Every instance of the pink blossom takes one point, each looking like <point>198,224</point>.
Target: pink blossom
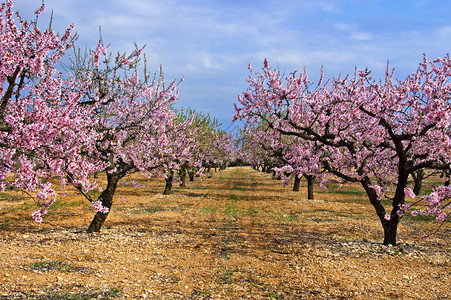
<point>97,205</point>
<point>442,217</point>
<point>409,193</point>
<point>37,216</point>
<point>378,190</point>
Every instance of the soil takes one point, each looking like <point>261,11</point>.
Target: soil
<point>237,235</point>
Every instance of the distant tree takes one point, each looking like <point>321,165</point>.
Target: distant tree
<point>176,150</point>
<point>291,158</point>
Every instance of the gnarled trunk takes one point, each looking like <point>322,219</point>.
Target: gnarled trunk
<point>106,198</point>
<point>390,226</point>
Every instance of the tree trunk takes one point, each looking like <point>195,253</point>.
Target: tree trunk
<point>168,187</point>
<point>417,179</point>
<point>390,226</point>
<point>183,176</point>
<point>191,175</point>
<point>310,181</point>
<point>297,182</point>
<point>447,176</point>
<point>390,230</point>
<point>106,198</point>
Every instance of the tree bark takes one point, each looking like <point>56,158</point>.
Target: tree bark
<point>191,175</point>
<point>106,198</point>
<point>390,230</point>
<point>183,176</point>
<point>168,187</point>
<point>417,179</point>
<point>183,179</point>
<point>390,226</point>
<point>310,181</point>
<point>447,176</point>
<point>297,182</point>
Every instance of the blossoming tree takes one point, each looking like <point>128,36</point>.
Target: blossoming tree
<point>132,118</point>
<point>373,133</point>
<point>42,125</point>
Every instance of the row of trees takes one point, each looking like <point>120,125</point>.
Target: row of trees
<point>104,113</point>
<point>355,129</point>
<point>108,113</point>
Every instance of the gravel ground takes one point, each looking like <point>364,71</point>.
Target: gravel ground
<point>237,235</point>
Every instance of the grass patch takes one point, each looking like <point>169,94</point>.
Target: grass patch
<point>419,218</point>
<point>231,209</point>
<point>23,206</point>
<point>59,204</point>
<point>148,210</point>
<point>208,210</point>
<point>226,277</point>
<point>49,265</point>
<point>274,295</point>
<point>10,197</point>
<point>110,294</point>
<point>280,216</point>
<point>252,212</point>
<point>353,191</point>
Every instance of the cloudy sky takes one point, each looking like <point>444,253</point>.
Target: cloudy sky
<point>211,42</point>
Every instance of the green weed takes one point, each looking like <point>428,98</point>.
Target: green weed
<point>110,294</point>
<point>59,204</point>
<point>10,197</point>
<point>208,210</point>
<point>280,216</point>
<point>48,265</point>
<point>231,210</point>
<point>227,277</point>
<point>252,212</point>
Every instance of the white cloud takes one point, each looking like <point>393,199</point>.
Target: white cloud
<point>353,32</point>
<point>211,42</point>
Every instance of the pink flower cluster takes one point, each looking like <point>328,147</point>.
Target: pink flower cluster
<point>97,205</point>
<point>436,202</point>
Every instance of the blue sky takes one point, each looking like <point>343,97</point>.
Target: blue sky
<point>211,42</point>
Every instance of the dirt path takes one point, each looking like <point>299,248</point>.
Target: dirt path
<point>237,235</point>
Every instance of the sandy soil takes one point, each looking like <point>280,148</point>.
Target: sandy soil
<point>237,235</point>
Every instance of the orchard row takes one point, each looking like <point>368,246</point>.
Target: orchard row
<point>354,129</point>
<point>105,114</point>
